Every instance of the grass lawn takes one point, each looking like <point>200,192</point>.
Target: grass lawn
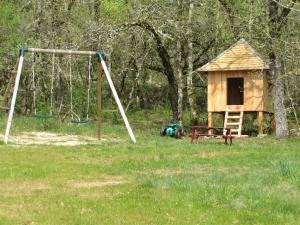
<point>156,181</point>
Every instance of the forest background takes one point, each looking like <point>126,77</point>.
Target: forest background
<point>152,48</point>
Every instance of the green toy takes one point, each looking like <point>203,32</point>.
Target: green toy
<point>174,129</point>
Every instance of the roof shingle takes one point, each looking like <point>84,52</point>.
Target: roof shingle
<point>240,56</point>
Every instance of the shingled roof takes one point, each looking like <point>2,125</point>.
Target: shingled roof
<point>240,56</point>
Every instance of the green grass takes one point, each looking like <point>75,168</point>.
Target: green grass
<point>156,181</point>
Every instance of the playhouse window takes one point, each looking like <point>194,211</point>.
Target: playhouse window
<point>235,91</point>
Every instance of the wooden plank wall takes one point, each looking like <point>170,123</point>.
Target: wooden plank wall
<point>268,98</point>
<point>256,92</point>
<point>215,91</point>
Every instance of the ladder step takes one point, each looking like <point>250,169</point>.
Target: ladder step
<point>233,117</point>
<point>233,124</point>
<point>234,130</point>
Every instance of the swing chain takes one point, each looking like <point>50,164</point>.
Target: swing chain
<point>89,87</point>
<point>71,91</point>
<point>33,83</point>
<point>71,88</point>
<point>52,83</point>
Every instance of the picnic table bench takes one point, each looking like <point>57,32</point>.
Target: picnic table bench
<point>206,131</point>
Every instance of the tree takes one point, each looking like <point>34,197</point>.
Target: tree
<point>190,62</point>
<point>166,63</point>
<point>277,20</point>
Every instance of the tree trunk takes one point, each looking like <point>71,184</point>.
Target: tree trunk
<point>277,20</point>
<point>138,68</point>
<point>180,80</point>
<point>97,5</point>
<point>190,88</point>
<point>229,10</point>
<point>278,98</point>
<point>173,97</point>
<point>166,62</point>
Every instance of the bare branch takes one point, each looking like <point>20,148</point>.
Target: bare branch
<point>230,13</point>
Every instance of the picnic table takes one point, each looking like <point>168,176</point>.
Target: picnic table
<point>206,131</point>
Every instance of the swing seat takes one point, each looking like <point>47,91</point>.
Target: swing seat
<point>40,116</point>
<point>80,121</point>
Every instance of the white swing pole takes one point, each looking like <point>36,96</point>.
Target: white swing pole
<point>14,97</point>
<point>115,94</point>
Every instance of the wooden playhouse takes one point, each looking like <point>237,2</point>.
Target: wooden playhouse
<point>237,83</point>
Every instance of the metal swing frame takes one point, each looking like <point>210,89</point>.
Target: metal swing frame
<point>100,57</point>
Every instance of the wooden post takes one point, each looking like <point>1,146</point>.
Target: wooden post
<point>99,101</point>
<point>260,123</point>
<point>210,121</point>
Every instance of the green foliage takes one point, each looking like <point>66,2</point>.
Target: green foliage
<point>132,50</point>
<point>10,39</point>
<point>9,22</point>
<point>115,11</point>
<point>250,125</point>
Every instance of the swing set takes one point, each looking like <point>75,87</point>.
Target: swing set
<point>74,117</point>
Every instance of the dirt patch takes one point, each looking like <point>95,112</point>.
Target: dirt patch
<point>21,188</point>
<point>98,194</point>
<point>111,181</point>
<point>92,184</point>
<point>25,188</point>
<point>45,138</point>
<point>168,172</point>
<point>178,171</point>
<point>211,155</point>
<point>198,171</point>
<point>10,211</point>
<point>206,155</point>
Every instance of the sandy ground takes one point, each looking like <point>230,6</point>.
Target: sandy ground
<point>45,138</point>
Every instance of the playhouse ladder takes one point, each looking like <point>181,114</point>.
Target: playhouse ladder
<point>234,119</point>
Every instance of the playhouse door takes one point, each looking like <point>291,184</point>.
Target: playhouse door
<point>235,91</point>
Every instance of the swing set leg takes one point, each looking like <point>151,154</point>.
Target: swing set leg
<point>117,99</point>
<point>14,97</point>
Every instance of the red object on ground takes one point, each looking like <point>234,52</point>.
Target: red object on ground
<point>206,131</point>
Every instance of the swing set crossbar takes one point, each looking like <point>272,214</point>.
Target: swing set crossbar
<point>61,51</point>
